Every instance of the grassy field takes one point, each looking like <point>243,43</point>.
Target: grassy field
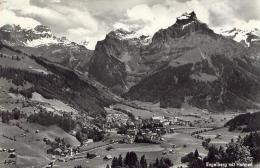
<point>185,144</point>
<point>225,137</point>
<point>25,62</point>
<point>31,150</point>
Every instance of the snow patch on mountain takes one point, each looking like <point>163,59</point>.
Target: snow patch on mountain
<point>123,34</point>
<point>41,41</point>
<point>32,37</point>
<point>186,25</point>
<point>184,16</point>
<point>241,36</point>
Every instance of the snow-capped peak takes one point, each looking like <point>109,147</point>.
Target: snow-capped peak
<point>40,35</point>
<point>123,34</point>
<point>187,16</point>
<point>241,36</point>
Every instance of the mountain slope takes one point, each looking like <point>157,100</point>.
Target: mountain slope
<point>249,122</point>
<point>200,67</point>
<point>30,74</point>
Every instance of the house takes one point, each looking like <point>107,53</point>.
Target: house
<point>160,130</point>
<point>129,139</point>
<point>73,133</point>
<point>107,157</point>
<point>57,151</point>
<point>12,155</point>
<point>158,119</point>
<point>172,130</point>
<point>88,141</point>
<point>132,132</point>
<point>11,150</point>
<point>166,123</point>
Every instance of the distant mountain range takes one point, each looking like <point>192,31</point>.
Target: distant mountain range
<point>185,63</point>
<point>40,41</point>
<point>246,37</point>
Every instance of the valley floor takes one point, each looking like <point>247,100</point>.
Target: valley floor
<point>31,149</point>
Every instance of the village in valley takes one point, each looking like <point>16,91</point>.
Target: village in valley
<point>154,134</point>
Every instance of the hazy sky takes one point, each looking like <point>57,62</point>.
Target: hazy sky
<point>91,20</point>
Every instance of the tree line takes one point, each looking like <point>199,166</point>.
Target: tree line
<point>242,151</point>
<point>49,118</point>
<point>131,160</point>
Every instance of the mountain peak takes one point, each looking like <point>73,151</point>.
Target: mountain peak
<point>185,24</point>
<point>187,16</point>
<point>123,34</point>
<point>186,19</point>
<point>134,37</point>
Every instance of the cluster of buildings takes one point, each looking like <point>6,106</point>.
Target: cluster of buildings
<point>143,130</point>
<point>116,120</point>
<point>165,120</point>
<point>11,156</point>
<point>156,127</point>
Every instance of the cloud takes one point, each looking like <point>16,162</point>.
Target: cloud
<point>77,24</point>
<point>91,20</point>
<point>11,18</point>
<point>163,15</point>
<point>81,34</point>
<point>221,13</point>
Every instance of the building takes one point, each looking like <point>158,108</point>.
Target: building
<point>172,130</point>
<point>158,119</point>
<point>57,151</point>
<point>87,141</point>
<point>132,132</point>
<point>108,157</point>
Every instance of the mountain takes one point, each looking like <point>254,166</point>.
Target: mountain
<point>185,63</point>
<point>116,62</point>
<point>246,37</point>
<point>249,38</point>
<point>36,79</point>
<point>192,64</point>
<point>40,41</point>
<point>248,122</point>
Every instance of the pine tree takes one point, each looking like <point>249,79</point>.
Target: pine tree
<point>196,153</point>
<point>120,160</point>
<point>114,162</point>
<point>126,159</point>
<point>157,162</point>
<point>143,162</point>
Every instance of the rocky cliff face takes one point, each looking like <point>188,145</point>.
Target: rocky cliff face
<point>117,60</point>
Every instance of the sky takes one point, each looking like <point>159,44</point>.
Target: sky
<point>91,20</point>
